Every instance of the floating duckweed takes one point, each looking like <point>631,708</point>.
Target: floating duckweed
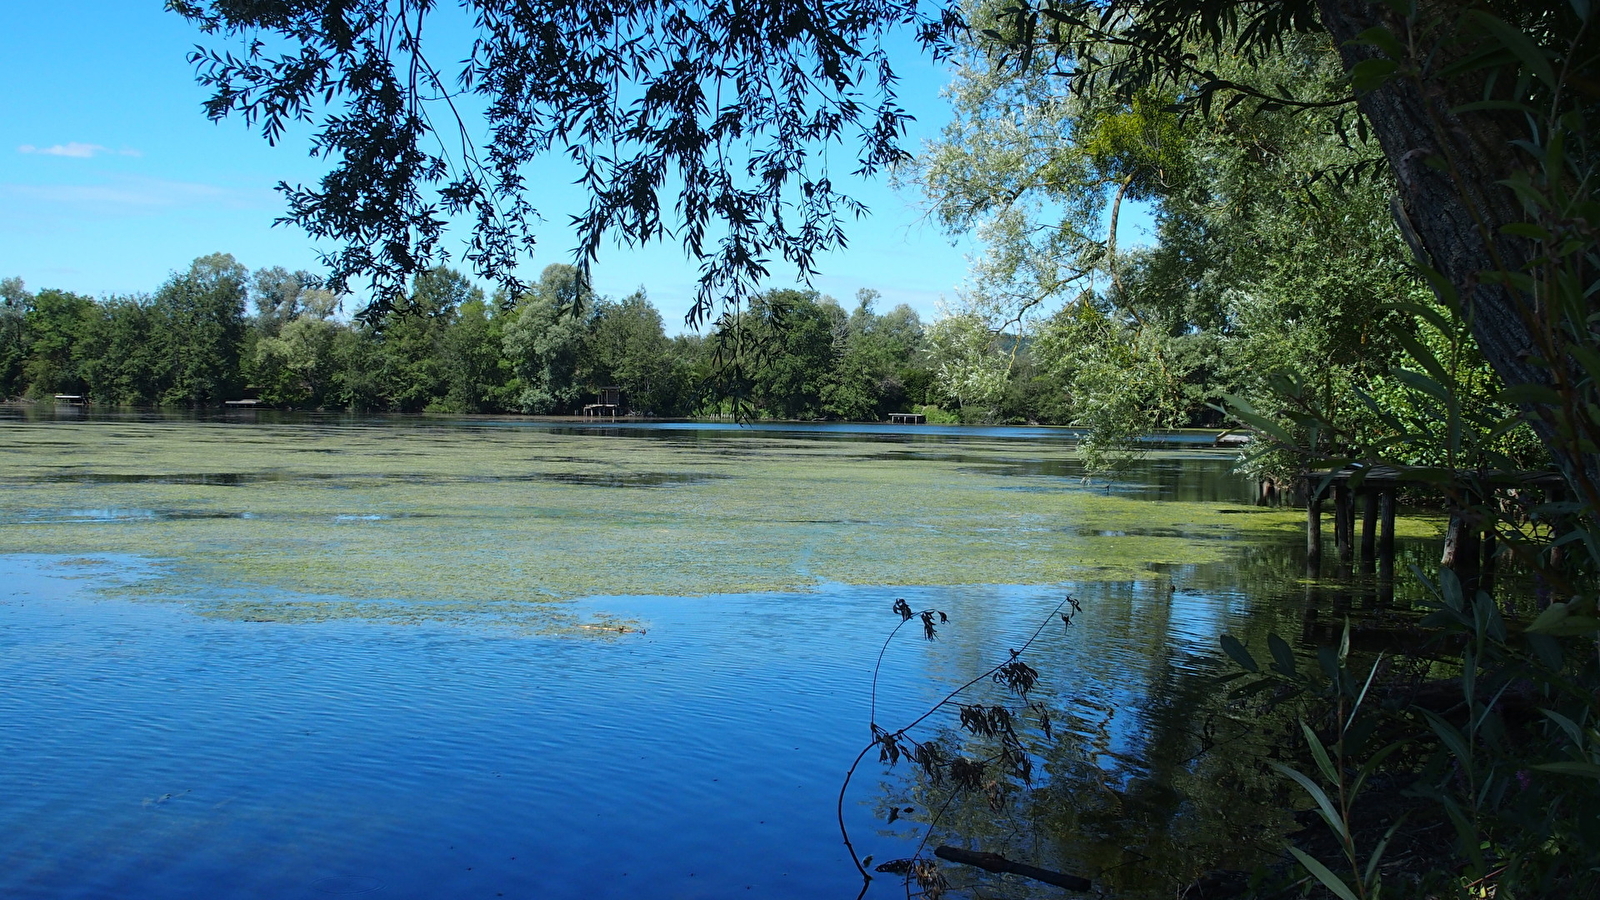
<point>406,523</point>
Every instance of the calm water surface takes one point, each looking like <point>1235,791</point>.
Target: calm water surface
<point>149,752</point>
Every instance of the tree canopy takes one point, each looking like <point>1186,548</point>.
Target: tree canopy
<point>1474,116</point>
<point>732,109</point>
<point>448,347</point>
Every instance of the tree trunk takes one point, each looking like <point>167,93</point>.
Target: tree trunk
<point>1462,548</point>
<point>1453,217</point>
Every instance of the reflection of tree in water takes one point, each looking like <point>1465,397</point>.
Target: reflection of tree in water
<point>1150,774</point>
<point>1146,776</point>
<point>1139,807</point>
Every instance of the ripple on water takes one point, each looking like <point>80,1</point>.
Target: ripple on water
<point>348,884</point>
<point>158,754</point>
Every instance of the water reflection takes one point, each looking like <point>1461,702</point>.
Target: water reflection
<point>1147,780</point>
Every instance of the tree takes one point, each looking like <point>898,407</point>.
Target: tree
<point>970,364</point>
<point>874,358</point>
<point>359,380</point>
<point>202,331</point>
<point>729,102</point>
<point>1479,113</point>
<point>54,326</point>
<point>122,353</point>
<point>1276,258</point>
<point>694,375</point>
<point>412,338</point>
<point>281,295</point>
<point>476,372</point>
<point>626,346</point>
<point>15,299</point>
<point>296,367</point>
<point>544,342</point>
<point>792,334</point>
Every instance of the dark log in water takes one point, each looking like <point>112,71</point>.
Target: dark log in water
<point>994,862</point>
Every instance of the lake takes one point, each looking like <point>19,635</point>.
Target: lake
<point>284,656</point>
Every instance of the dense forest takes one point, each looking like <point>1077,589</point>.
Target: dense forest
<point>218,331</point>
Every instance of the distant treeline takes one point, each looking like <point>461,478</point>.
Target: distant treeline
<point>218,332</point>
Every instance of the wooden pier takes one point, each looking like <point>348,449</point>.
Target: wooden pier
<point>907,419</point>
<point>1469,546</point>
<point>609,407</point>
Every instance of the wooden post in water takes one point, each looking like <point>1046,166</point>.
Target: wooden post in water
<point>1386,545</point>
<point>1369,531</point>
<point>1311,613</point>
<point>1343,522</point>
<point>1313,526</point>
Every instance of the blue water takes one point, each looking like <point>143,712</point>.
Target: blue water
<point>152,753</point>
<point>823,430</point>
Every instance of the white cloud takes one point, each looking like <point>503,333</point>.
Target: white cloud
<point>124,195</point>
<point>76,149</point>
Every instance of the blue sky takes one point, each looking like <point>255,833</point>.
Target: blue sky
<point>111,177</point>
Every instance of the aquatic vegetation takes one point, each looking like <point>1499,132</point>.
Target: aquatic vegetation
<point>425,519</point>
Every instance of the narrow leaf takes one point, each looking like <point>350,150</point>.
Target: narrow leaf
<point>1453,739</point>
<point>1370,74</point>
<point>1518,42</point>
<point>1319,753</point>
<point>1329,880</point>
<point>1326,809</point>
<point>1383,39</point>
<point>1587,770</point>
<point>1284,657</point>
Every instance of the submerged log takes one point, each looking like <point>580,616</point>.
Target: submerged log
<point>994,862</point>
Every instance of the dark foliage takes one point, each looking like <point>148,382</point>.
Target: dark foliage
<point>730,105</point>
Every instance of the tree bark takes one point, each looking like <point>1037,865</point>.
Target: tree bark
<point>1462,548</point>
<point>1452,216</point>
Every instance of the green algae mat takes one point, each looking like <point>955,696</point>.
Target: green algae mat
<point>409,519</point>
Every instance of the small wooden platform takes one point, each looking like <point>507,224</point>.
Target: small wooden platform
<point>1469,546</point>
<point>907,419</point>
<point>610,405</point>
<point>72,399</point>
